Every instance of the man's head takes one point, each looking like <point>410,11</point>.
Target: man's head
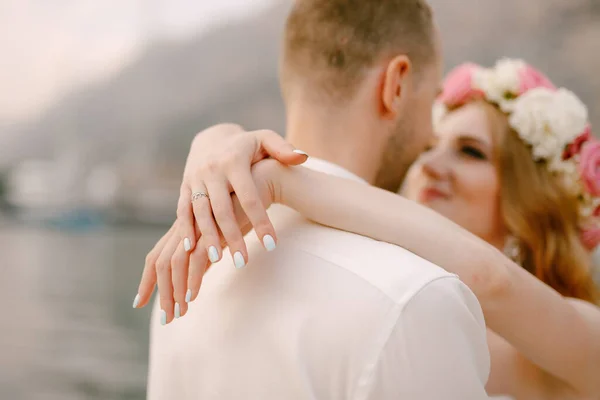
<point>374,64</point>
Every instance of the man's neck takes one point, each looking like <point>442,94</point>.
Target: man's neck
<point>343,141</point>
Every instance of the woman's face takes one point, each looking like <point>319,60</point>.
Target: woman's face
<point>456,176</point>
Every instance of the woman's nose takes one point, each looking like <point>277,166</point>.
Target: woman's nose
<point>435,165</point>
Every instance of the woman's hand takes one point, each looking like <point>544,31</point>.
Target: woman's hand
<point>216,167</point>
<point>219,162</point>
<point>178,273</point>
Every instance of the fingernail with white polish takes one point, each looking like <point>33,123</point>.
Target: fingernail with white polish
<point>136,301</point>
<point>177,310</point>
<point>188,296</point>
<point>300,152</point>
<point>163,317</point>
<point>269,242</point>
<point>187,244</point>
<point>213,254</point>
<point>238,260</point>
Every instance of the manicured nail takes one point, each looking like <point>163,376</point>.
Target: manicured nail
<point>300,152</point>
<point>187,244</point>
<point>188,296</point>
<point>163,317</point>
<point>238,260</point>
<point>213,254</point>
<point>269,242</point>
<point>136,301</point>
<point>177,310</point>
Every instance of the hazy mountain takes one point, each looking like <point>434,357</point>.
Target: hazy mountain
<point>154,106</point>
<point>168,94</point>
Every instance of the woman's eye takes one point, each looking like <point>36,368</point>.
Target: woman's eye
<point>473,152</point>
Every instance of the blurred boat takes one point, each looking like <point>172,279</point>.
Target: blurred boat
<point>44,191</point>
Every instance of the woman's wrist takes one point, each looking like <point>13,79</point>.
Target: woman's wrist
<point>205,141</point>
<point>268,176</point>
<point>216,132</point>
<point>289,185</point>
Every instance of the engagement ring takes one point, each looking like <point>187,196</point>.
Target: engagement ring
<point>197,195</point>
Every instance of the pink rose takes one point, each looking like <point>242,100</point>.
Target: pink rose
<point>575,146</point>
<point>591,238</point>
<point>531,78</point>
<point>589,166</point>
<point>458,86</point>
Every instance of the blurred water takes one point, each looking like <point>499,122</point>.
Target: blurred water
<point>68,330</point>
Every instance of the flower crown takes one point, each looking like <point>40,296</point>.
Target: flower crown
<point>553,122</point>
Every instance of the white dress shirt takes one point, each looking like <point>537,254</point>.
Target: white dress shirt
<point>328,315</point>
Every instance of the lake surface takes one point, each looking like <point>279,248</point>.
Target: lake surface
<point>68,330</point>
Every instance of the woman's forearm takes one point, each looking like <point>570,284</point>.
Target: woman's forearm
<point>534,318</point>
<point>388,217</point>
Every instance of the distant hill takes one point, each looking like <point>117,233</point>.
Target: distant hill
<point>174,89</point>
<point>154,106</point>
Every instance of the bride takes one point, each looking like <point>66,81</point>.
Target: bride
<point>507,198</point>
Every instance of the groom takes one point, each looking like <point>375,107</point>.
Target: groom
<point>333,315</point>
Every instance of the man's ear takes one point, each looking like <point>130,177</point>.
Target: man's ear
<point>394,86</point>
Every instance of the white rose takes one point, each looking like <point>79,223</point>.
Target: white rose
<point>485,81</point>
<point>548,120</point>
<point>503,79</point>
<point>507,75</point>
<point>530,120</point>
<point>569,117</point>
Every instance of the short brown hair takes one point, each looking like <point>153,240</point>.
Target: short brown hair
<point>541,213</point>
<point>331,42</point>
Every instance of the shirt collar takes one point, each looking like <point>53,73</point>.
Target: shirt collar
<point>330,168</point>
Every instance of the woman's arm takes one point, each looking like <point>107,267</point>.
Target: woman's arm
<point>560,336</point>
<point>220,158</point>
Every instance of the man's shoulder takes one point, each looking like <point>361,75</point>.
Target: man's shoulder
<point>393,270</point>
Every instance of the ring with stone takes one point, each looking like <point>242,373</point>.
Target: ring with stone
<point>197,195</point>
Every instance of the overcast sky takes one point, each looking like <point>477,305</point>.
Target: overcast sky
<point>50,46</point>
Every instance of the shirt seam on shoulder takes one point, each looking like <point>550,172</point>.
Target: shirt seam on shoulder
<point>365,380</point>
<point>350,261</point>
